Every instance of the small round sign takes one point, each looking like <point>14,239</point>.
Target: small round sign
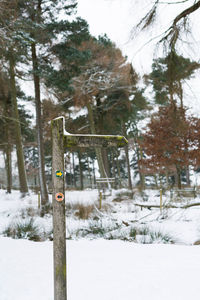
<point>59,197</point>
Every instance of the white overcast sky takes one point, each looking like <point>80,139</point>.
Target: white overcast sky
<point>116,18</point>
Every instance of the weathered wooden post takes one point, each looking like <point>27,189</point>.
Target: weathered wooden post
<point>61,140</point>
<point>58,200</point>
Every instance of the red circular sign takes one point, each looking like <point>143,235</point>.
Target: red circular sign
<point>59,197</point>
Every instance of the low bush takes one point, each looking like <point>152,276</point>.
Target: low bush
<point>146,235</point>
<point>97,229</point>
<point>26,229</point>
<point>84,212</point>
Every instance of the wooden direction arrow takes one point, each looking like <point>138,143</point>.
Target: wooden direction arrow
<point>61,140</point>
<point>90,140</point>
<point>86,140</point>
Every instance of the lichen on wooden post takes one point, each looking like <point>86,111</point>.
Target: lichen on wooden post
<point>59,228</point>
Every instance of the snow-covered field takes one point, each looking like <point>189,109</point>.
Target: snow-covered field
<point>100,270</point>
<point>100,265</point>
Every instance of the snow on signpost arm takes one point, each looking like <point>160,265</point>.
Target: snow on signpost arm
<point>61,141</point>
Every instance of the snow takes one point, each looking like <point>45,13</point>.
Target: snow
<point>98,267</point>
<point>101,270</point>
<point>182,225</point>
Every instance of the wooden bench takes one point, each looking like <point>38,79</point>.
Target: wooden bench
<point>105,184</point>
<point>186,192</point>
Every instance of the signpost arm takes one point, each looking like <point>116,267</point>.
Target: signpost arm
<point>59,228</point>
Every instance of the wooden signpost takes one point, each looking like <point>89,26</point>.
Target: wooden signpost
<point>61,141</point>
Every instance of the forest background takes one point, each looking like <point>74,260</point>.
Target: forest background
<point>98,89</point>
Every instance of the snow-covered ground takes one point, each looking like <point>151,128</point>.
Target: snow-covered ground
<point>100,270</point>
<point>101,265</point>
<point>118,218</point>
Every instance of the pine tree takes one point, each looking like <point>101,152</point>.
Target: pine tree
<point>41,28</point>
<point>11,53</point>
<point>105,73</point>
<point>168,75</point>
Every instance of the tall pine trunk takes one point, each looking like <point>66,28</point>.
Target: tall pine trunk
<point>74,173</point>
<point>39,125</point>
<point>81,170</point>
<point>97,150</point>
<point>89,172</point>
<point>187,175</point>
<point>127,158</point>
<point>17,128</point>
<point>93,170</point>
<point>8,147</point>
<point>178,177</point>
<point>118,171</point>
<point>104,153</point>
<point>8,163</point>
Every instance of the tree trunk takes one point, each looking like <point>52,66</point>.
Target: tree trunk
<point>142,176</point>
<point>104,154</point>
<point>93,170</point>
<point>89,172</point>
<point>118,171</point>
<point>113,169</point>
<point>70,171</point>
<point>39,125</point>
<point>81,171</point>
<point>17,129</point>
<point>74,175</point>
<point>127,159</point>
<point>187,175</point>
<point>178,177</point>
<point>167,179</point>
<point>156,182</point>
<point>8,163</point>
<point>97,150</point>
<point>128,167</point>
<point>8,148</point>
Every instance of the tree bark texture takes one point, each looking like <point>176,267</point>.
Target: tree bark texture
<point>59,227</point>
<point>127,159</point>
<point>39,125</point>
<point>17,128</point>
<point>8,148</point>
<point>104,152</point>
<point>97,150</point>
<point>74,173</point>
<point>178,177</point>
<point>118,171</point>
<point>8,162</point>
<point>80,170</point>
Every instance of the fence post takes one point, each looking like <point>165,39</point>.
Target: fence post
<point>58,200</point>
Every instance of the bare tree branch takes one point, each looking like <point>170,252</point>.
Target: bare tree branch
<point>177,2</point>
<point>171,35</point>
